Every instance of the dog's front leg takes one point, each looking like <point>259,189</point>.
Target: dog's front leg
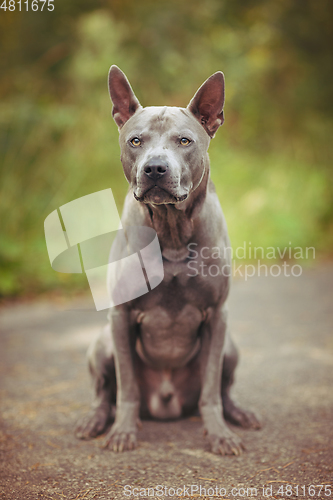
<point>122,435</point>
<point>222,440</point>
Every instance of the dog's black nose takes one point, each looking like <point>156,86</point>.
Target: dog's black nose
<point>155,168</point>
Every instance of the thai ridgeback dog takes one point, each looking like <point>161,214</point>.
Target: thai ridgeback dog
<point>168,353</point>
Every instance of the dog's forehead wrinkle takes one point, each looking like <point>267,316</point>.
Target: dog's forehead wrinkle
<point>162,116</point>
<point>167,121</point>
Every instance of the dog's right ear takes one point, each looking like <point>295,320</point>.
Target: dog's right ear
<point>125,103</point>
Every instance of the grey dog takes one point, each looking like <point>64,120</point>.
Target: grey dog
<point>168,353</point>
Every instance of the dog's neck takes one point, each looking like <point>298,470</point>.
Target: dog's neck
<point>175,224</point>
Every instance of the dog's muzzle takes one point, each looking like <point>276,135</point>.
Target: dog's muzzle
<point>157,183</point>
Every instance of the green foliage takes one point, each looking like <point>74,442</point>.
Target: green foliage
<point>270,200</point>
<point>271,161</point>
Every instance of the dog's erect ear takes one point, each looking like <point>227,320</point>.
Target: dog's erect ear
<point>122,96</point>
<point>207,104</point>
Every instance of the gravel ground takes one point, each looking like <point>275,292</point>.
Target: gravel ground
<point>283,328</point>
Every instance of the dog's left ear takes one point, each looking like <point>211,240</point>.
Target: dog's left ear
<point>207,104</point>
<point>125,103</point>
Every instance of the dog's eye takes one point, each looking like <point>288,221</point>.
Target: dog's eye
<point>136,142</point>
<point>184,141</point>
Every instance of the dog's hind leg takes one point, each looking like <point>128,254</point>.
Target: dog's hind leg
<point>102,370</point>
<point>232,412</point>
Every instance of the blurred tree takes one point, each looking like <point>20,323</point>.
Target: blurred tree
<point>55,114</point>
<point>277,56</point>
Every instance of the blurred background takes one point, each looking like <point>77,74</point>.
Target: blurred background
<point>271,161</point>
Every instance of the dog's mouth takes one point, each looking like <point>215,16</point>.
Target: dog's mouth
<point>160,196</point>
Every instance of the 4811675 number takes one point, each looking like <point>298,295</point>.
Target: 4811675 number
<point>25,5</point>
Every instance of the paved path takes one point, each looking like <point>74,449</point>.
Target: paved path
<point>283,327</point>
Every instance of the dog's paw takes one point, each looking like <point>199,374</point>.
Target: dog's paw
<point>119,439</point>
<point>238,416</point>
<point>226,445</point>
<point>122,435</point>
<point>222,440</point>
<point>93,423</point>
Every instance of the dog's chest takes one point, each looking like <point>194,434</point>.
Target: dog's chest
<point>182,295</point>
<point>199,282</point>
